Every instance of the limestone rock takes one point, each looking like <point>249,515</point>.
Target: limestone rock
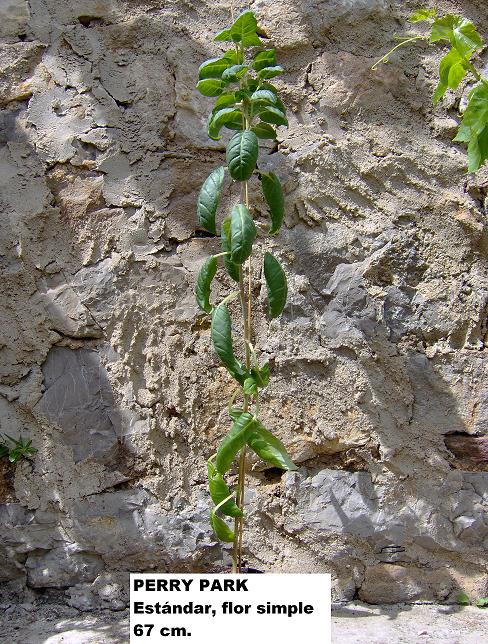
<point>78,398</point>
<point>389,584</point>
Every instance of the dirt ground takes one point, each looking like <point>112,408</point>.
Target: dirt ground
<point>352,624</point>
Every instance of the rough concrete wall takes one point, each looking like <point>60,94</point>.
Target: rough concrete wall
<point>106,363</point>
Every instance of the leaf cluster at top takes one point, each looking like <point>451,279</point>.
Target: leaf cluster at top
<point>241,87</point>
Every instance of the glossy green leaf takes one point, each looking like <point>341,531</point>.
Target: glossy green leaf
<point>242,155</point>
<point>242,234</point>
<point>224,36</point>
<point>261,375</point>
<point>208,199</point>
<point>220,491</point>
<point>474,127</point>
<point>477,150</point>
<point>268,447</point>
<point>421,15</point>
<point>210,87</point>
<point>220,118</point>
<point>204,282</point>
<point>221,529</point>
<point>266,58</point>
<point>244,30</point>
<point>271,88</point>
<point>277,285</point>
<point>461,33</point>
<point>273,193</point>
<point>264,131</point>
<point>231,267</point>
<point>221,333</point>
<point>215,67</point>
<point>235,412</point>
<point>270,72</point>
<point>271,114</point>
<point>234,73</point>
<point>233,441</point>
<point>452,70</point>
<point>250,387</point>
<point>224,100</point>
<point>264,97</point>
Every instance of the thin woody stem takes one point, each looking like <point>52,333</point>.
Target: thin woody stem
<point>246,307</point>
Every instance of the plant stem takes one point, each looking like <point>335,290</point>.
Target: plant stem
<point>246,308</point>
<point>384,59</point>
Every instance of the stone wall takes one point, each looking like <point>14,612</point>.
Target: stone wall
<point>105,361</point>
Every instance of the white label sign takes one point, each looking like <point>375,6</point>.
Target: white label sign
<point>242,609</point>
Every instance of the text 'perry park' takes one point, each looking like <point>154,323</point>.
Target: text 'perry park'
<point>184,585</point>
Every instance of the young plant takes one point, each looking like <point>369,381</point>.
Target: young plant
<point>17,449</point>
<point>249,104</point>
<point>465,42</point>
<point>464,600</point>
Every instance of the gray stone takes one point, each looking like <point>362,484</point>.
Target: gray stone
<point>79,400</point>
<point>14,15</point>
<point>452,516</point>
<point>62,567</point>
<point>390,584</point>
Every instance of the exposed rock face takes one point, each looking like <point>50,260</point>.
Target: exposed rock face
<point>378,362</point>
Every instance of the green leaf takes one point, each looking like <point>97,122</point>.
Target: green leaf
<point>270,114</point>
<point>477,150</point>
<point>264,131</point>
<point>242,154</point>
<point>273,193</point>
<point>422,14</point>
<point>461,33</point>
<point>261,375</point>
<point>242,234</point>
<point>462,598</point>
<point>204,282</point>
<point>270,72</point>
<point>234,73</point>
<point>266,58</point>
<point>224,100</point>
<point>250,387</point>
<point>235,124</point>
<point>244,30</point>
<point>268,447</point>
<point>231,267</point>
<point>234,413</point>
<point>210,87</point>
<point>234,440</point>
<point>264,97</point>
<point>221,529</point>
<point>220,118</point>
<point>215,67</point>
<point>451,72</point>
<point>276,283</point>
<point>220,491</point>
<point>224,36</point>
<point>3,450</point>
<point>474,127</point>
<point>482,602</point>
<point>221,334</point>
<point>208,199</point>
<point>476,114</point>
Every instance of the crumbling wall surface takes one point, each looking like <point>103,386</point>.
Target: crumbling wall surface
<point>105,362</point>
